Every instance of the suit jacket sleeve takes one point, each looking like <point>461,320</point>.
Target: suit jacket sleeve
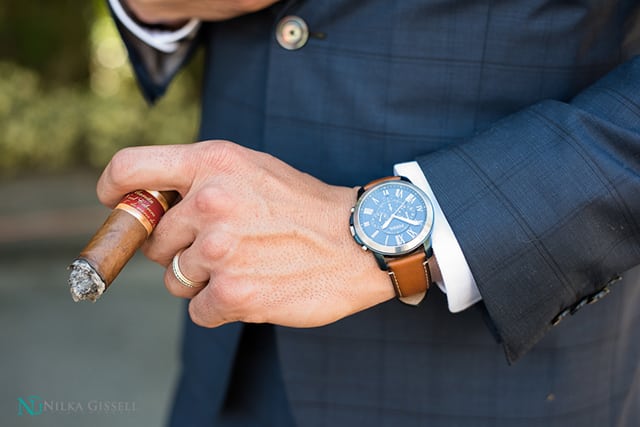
<point>546,204</point>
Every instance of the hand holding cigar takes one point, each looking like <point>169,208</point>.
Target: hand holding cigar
<point>124,231</point>
<point>252,239</point>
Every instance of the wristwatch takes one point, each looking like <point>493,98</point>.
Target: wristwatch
<point>393,219</point>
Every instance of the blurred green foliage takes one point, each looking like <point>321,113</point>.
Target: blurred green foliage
<point>48,36</point>
<point>67,95</point>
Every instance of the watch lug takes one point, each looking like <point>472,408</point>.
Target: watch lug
<point>428,249</point>
<point>381,261</point>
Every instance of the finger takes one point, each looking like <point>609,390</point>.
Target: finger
<point>184,278</point>
<point>201,213</point>
<point>176,230</point>
<point>168,167</point>
<point>204,311</point>
<point>223,301</point>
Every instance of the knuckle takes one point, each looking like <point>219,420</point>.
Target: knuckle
<point>210,200</point>
<point>212,247</point>
<point>222,155</point>
<point>235,298</point>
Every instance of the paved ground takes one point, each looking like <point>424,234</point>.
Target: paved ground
<point>111,363</point>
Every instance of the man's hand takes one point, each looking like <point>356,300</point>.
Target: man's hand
<point>173,11</point>
<point>272,243</point>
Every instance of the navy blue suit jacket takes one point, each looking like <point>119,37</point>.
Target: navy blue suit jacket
<point>525,117</point>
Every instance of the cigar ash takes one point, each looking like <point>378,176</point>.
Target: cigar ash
<point>116,241</point>
<point>84,282</point>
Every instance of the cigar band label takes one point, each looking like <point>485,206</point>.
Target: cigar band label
<point>145,207</point>
<point>159,197</point>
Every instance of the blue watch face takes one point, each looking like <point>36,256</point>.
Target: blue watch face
<point>393,217</point>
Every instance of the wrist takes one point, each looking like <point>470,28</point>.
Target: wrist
<point>365,285</point>
<point>372,284</point>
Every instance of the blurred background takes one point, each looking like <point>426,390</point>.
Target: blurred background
<point>68,102</point>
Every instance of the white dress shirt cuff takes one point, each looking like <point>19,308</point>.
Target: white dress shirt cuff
<point>457,281</point>
<point>162,40</point>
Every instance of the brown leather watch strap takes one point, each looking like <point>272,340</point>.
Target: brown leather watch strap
<point>410,273</point>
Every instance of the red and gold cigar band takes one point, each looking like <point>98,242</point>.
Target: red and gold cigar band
<point>146,206</point>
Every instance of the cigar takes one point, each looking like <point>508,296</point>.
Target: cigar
<point>113,245</point>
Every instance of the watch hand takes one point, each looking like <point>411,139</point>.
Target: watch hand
<point>387,222</point>
<point>393,215</point>
<point>408,220</point>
